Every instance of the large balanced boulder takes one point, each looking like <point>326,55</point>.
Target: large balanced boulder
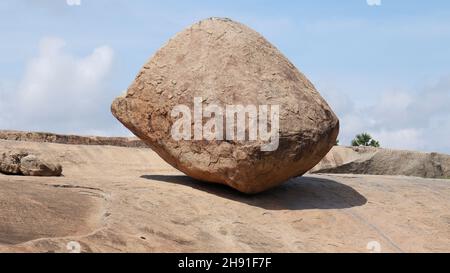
<point>212,65</point>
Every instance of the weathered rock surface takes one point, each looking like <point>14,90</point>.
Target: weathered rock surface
<point>227,63</point>
<point>377,161</point>
<point>115,199</point>
<point>71,139</point>
<point>31,165</point>
<point>23,163</point>
<point>10,162</point>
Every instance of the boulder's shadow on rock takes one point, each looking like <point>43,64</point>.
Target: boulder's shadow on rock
<point>297,194</point>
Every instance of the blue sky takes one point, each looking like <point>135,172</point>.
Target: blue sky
<point>384,69</point>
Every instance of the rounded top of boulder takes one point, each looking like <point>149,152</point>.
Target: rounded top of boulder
<point>227,62</point>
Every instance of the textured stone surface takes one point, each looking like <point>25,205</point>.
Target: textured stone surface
<point>227,63</point>
<point>377,161</point>
<point>71,139</point>
<point>23,163</point>
<point>115,199</point>
<point>31,165</point>
<point>10,162</point>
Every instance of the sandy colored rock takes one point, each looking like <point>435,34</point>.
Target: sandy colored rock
<point>10,162</point>
<point>115,199</point>
<point>227,63</point>
<point>71,139</point>
<point>33,208</point>
<point>24,163</point>
<point>31,165</point>
<point>378,161</point>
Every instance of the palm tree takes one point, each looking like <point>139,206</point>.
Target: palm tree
<point>365,139</point>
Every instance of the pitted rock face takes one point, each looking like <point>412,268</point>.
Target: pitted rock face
<point>22,163</point>
<point>226,63</point>
<point>31,165</point>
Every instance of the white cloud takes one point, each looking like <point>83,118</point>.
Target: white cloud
<point>399,119</point>
<point>63,92</point>
<point>5,113</point>
<point>73,2</point>
<point>374,2</point>
<point>401,139</point>
<point>55,78</point>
